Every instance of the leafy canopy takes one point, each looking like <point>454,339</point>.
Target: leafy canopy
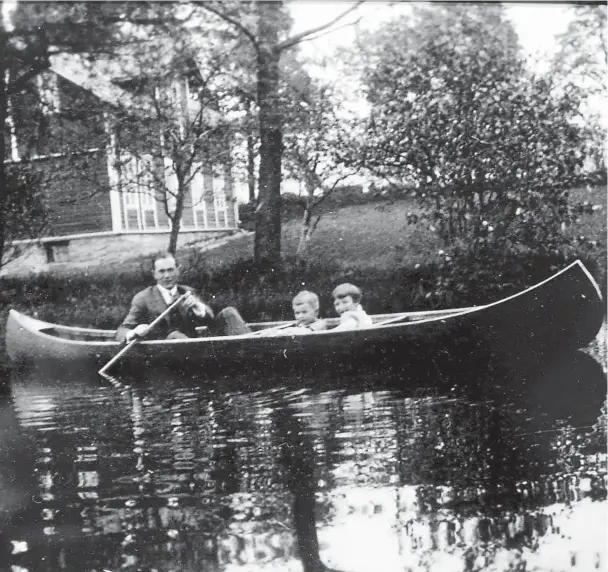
<point>490,148</point>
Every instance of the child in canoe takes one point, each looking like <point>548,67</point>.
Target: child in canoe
<point>306,313</point>
<point>347,302</point>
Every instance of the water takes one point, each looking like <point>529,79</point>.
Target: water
<point>177,474</point>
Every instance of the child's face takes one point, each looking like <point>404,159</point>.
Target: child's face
<point>344,304</point>
<point>304,313</point>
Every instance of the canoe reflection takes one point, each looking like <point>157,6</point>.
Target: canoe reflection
<point>170,475</point>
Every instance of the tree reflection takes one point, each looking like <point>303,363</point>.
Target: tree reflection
<point>298,459</point>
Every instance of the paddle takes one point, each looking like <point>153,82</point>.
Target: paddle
<point>398,318</point>
<point>124,350</point>
<point>284,326</point>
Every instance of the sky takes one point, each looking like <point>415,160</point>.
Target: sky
<point>537,24</point>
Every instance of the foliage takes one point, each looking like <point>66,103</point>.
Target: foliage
<point>583,49</point>
<point>23,205</point>
<point>491,148</point>
<point>581,63</point>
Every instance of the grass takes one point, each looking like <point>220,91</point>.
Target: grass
<point>374,236</point>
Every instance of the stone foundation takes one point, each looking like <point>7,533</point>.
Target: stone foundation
<point>91,251</point>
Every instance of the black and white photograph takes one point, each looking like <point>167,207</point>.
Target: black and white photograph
<point>303,286</point>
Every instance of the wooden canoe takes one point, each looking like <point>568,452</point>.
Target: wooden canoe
<point>561,313</point>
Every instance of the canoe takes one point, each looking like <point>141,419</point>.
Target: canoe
<point>562,313</point>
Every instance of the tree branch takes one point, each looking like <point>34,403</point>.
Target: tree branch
<point>250,35</point>
<point>289,42</point>
<point>326,32</point>
<point>21,81</point>
<point>327,192</point>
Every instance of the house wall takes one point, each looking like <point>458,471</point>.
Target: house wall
<point>72,122</point>
<point>77,193</point>
<point>60,136</point>
<point>110,249</point>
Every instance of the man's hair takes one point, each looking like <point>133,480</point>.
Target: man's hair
<point>306,297</point>
<point>162,256</point>
<point>347,289</point>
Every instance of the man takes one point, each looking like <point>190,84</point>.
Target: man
<point>182,322</point>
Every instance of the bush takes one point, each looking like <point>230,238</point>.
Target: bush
<point>464,280</point>
<point>493,149</point>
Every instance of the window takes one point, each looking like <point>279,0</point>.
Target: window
<point>48,89</point>
<point>219,202</point>
<point>57,251</point>
<point>199,208</point>
<point>9,127</point>
<point>139,202</point>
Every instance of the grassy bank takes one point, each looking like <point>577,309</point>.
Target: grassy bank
<point>371,245</point>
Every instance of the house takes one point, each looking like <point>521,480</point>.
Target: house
<point>102,193</point>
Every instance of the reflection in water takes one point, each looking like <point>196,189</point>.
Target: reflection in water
<point>183,475</point>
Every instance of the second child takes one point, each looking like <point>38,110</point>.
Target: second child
<point>347,302</point>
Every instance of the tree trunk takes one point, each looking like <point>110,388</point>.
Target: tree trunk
<point>298,458</point>
<point>267,246</point>
<point>3,108</point>
<point>176,219</point>
<point>307,226</point>
<point>305,233</point>
<point>251,160</point>
<point>251,167</point>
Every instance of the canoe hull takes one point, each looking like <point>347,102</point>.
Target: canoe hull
<point>560,314</point>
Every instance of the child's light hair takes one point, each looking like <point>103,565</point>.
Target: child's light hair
<point>346,289</point>
<point>306,297</point>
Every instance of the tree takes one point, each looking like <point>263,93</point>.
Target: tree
<point>265,29</point>
<point>174,151</point>
<point>173,121</point>
<point>583,48</point>
<point>491,148</point>
<point>30,39</point>
<point>316,139</point>
<point>581,63</point>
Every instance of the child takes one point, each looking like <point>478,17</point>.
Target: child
<point>306,313</point>
<point>347,302</point>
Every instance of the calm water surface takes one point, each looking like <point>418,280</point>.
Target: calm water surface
<point>178,474</point>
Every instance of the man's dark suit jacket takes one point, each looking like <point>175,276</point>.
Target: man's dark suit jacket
<point>148,304</point>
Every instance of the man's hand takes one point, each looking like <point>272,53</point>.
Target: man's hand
<point>139,331</point>
<point>194,305</point>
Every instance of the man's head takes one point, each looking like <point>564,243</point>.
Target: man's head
<point>346,298</point>
<point>305,307</point>
<point>165,270</point>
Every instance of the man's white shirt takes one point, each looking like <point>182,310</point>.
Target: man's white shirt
<point>168,295</point>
